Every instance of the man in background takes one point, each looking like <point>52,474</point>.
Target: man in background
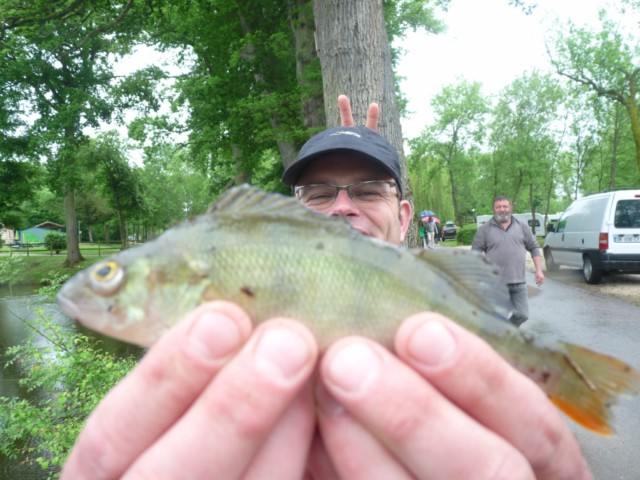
<point>505,241</point>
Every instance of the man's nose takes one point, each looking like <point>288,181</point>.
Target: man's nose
<point>343,205</point>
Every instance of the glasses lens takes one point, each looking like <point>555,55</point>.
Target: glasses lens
<point>371,191</point>
<point>316,195</point>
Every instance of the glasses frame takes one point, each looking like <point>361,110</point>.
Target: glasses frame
<point>347,188</point>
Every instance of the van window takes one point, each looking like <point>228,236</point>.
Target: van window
<point>562,223</point>
<point>627,214</point>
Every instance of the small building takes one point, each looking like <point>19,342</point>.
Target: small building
<point>37,233</point>
<point>7,235</point>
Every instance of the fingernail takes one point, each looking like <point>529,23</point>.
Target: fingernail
<point>431,344</point>
<point>327,402</point>
<point>281,353</point>
<point>213,336</point>
<point>353,367</point>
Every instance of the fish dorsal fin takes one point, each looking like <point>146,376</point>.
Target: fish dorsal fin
<point>247,201</point>
<point>472,272</point>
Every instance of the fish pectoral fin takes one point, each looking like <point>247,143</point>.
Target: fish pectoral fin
<point>473,273</point>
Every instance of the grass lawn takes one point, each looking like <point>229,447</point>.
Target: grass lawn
<point>40,263</point>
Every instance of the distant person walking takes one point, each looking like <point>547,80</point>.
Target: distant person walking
<point>505,241</point>
<point>431,231</point>
<point>423,234</point>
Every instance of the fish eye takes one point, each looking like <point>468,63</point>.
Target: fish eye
<point>106,278</point>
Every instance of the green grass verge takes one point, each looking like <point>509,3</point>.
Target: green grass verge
<point>36,268</point>
<point>40,264</point>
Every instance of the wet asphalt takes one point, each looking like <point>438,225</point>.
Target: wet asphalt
<point>560,309</point>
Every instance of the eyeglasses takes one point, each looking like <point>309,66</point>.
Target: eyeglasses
<point>323,194</point>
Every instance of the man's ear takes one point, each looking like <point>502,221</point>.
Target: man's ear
<point>406,213</point>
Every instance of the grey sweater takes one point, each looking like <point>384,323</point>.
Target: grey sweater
<point>507,248</point>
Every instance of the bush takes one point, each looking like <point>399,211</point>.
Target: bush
<point>71,373</point>
<point>11,271</point>
<point>55,241</point>
<point>466,234</point>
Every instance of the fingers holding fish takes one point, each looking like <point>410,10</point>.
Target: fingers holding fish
<point>349,446</point>
<point>170,377</point>
<point>466,370</point>
<point>236,415</point>
<point>289,439</point>
<point>427,433</point>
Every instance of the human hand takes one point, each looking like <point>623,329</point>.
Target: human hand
<point>539,275</point>
<point>209,399</point>
<point>474,416</point>
<point>346,116</point>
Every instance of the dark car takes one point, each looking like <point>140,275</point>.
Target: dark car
<point>449,231</point>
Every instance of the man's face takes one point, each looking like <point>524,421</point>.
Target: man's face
<point>385,220</point>
<point>502,211</point>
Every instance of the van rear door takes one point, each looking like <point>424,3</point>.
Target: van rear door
<point>624,230</point>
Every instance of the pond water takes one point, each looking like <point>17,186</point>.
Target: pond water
<point>16,309</point>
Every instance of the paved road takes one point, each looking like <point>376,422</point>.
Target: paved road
<point>610,326</point>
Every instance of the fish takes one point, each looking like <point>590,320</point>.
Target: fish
<point>274,257</point>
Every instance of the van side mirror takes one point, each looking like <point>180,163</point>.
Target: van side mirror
<point>551,227</point>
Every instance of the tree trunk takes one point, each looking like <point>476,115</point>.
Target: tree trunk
<point>303,27</point>
<point>355,58</point>
<point>124,241</point>
<point>73,247</point>
<point>616,141</point>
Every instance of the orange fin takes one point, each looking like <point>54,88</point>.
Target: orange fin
<point>596,381</point>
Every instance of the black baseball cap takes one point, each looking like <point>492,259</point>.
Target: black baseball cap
<point>361,140</point>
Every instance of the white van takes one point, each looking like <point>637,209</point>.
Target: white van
<point>526,218</point>
<point>598,233</point>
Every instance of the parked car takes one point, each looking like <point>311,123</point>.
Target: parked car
<point>449,231</point>
<point>598,233</point>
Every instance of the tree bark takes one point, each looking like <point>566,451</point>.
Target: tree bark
<point>355,58</point>
<point>73,249</point>
<point>302,25</point>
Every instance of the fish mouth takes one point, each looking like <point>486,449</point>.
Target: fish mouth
<point>68,306</point>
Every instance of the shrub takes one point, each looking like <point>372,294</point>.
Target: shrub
<point>466,234</point>
<point>11,271</point>
<point>55,241</point>
<point>71,372</point>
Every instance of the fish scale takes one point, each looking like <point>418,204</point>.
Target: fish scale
<point>274,257</point>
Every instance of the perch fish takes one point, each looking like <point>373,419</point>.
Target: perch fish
<point>273,257</point>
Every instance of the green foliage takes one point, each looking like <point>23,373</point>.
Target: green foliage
<point>55,241</point>
<point>466,234</point>
<point>70,374</point>
<point>604,62</point>
<point>11,269</point>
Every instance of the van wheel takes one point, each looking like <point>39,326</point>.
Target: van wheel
<point>592,274</point>
<point>552,266</point>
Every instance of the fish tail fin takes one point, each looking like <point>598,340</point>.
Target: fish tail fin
<point>597,381</point>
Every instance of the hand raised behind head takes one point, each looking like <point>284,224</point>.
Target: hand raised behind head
<point>346,116</point>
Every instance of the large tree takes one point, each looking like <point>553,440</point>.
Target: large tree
<point>524,140</point>
<point>353,41</point>
<point>459,128</point>
<point>57,81</point>
<point>606,62</point>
